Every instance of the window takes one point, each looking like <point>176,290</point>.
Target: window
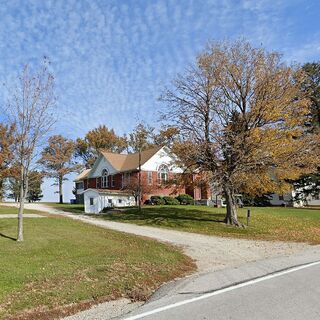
<point>91,201</point>
<point>175,178</point>
<point>112,181</point>
<point>104,178</point>
<point>163,174</point>
<point>127,178</point>
<point>110,201</point>
<point>98,183</point>
<point>120,201</point>
<point>149,177</point>
<point>281,197</point>
<point>79,185</point>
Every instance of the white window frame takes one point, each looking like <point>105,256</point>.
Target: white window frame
<point>104,178</point>
<point>112,180</point>
<point>163,173</point>
<point>150,178</point>
<point>98,183</point>
<point>127,178</point>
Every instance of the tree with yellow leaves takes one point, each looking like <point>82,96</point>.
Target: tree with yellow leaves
<point>241,116</point>
<point>102,137</point>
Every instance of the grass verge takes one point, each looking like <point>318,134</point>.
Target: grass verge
<point>64,266</point>
<point>269,223</point>
<point>14,210</point>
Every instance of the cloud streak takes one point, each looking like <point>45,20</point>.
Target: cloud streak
<point>111,59</point>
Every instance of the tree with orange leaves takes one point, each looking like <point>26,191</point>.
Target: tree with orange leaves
<point>57,160</point>
<point>241,116</point>
<point>7,140</point>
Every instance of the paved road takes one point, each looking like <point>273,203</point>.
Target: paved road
<point>287,295</point>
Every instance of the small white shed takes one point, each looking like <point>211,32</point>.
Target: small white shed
<point>95,200</point>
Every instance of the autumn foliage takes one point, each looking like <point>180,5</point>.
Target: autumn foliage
<point>241,116</point>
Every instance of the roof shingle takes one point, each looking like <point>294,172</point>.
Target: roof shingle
<point>128,162</point>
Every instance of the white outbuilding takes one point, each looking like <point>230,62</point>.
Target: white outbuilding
<point>95,200</point>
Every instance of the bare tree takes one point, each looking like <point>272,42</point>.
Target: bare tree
<point>240,113</point>
<point>30,108</point>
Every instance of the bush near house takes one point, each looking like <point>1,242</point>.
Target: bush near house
<point>181,199</point>
<point>185,199</point>
<point>157,200</point>
<point>170,201</point>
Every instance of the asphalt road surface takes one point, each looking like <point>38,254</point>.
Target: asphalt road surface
<point>292,293</point>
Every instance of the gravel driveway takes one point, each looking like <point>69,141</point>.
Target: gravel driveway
<point>211,253</point>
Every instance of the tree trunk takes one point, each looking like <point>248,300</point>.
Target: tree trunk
<point>21,204</point>
<point>231,215</point>
<point>60,190</point>
<point>136,200</point>
<point>1,190</point>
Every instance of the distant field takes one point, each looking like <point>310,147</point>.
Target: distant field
<point>63,261</point>
<point>268,223</point>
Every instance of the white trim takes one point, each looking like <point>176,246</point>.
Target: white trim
<point>96,164</point>
<point>104,178</point>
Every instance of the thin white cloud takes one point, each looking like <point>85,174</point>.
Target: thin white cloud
<point>112,58</point>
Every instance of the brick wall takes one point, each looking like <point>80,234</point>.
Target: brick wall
<point>198,193</point>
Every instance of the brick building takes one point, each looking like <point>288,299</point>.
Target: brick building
<point>114,177</point>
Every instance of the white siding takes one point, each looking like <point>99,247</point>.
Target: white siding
<point>161,157</point>
<point>276,201</point>
<point>101,164</point>
<point>96,207</point>
<point>101,201</point>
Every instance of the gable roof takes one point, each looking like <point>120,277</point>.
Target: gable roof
<point>127,162</point>
<point>83,175</point>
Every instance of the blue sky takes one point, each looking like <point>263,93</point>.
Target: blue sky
<point>111,59</point>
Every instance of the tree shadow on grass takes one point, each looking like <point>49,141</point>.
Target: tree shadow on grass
<point>7,237</point>
<point>165,215</point>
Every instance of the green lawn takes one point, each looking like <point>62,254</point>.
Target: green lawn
<point>270,223</point>
<point>14,210</point>
<point>63,261</point>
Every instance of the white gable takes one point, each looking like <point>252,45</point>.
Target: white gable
<point>100,164</point>
<point>161,157</point>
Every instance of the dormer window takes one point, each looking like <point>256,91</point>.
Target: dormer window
<point>104,178</point>
<point>163,173</point>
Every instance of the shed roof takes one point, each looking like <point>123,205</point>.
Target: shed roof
<point>83,175</point>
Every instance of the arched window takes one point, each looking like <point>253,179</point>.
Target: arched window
<point>104,178</point>
<point>163,173</point>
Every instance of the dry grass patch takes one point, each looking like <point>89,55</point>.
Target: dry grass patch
<point>64,266</point>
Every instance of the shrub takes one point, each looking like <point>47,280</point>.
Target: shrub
<point>157,200</point>
<point>185,199</point>
<point>171,201</point>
